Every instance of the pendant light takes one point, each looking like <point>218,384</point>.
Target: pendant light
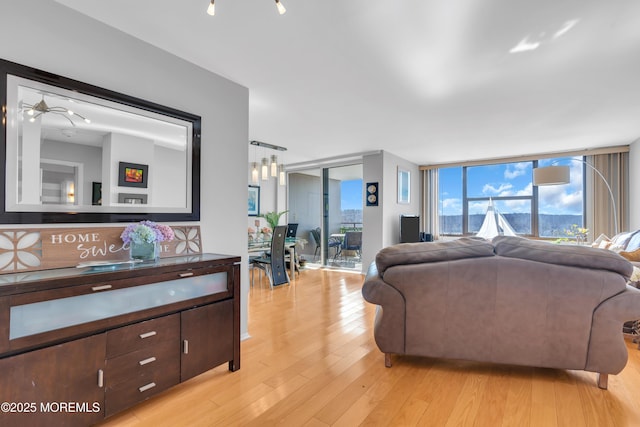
<point>265,169</point>
<point>268,169</point>
<point>280,7</point>
<point>254,172</point>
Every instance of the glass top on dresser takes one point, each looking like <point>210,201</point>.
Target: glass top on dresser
<point>59,273</point>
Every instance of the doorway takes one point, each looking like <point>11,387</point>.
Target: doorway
<point>327,205</point>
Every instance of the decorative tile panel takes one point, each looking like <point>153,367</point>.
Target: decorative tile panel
<point>41,249</point>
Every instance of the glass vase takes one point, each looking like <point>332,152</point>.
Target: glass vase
<point>144,251</point>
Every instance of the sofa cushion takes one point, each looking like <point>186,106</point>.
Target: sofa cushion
<point>572,255</point>
<point>633,243</point>
<point>416,253</point>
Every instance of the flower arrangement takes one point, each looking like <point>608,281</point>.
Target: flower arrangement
<point>147,232</point>
<point>576,232</point>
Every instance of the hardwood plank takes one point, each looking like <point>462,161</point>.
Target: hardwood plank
<point>543,402</point>
<point>519,394</point>
<point>491,412</point>
<point>468,404</point>
<point>568,405</point>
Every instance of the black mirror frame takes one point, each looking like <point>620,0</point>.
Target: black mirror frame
<point>7,67</point>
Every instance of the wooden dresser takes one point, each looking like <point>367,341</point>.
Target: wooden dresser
<point>80,344</point>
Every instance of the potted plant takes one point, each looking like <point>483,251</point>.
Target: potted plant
<point>273,218</point>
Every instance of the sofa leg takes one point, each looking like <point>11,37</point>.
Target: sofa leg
<point>603,380</point>
<point>387,360</point>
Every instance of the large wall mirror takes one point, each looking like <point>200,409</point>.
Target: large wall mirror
<point>74,152</point>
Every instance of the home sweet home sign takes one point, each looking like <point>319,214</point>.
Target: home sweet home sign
<point>45,248</point>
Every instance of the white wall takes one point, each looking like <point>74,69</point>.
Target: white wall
<point>634,186</point>
<point>272,199</point>
<point>125,148</point>
<point>381,223</point>
<point>89,157</point>
<point>51,37</point>
<point>372,216</point>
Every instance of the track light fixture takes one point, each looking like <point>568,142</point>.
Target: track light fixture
<point>36,110</point>
<point>211,10</point>
<point>268,169</point>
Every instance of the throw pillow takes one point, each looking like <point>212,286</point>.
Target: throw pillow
<point>631,256</point>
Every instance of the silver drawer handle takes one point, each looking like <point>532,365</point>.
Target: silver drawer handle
<point>148,334</point>
<point>186,274</point>
<point>101,288</point>
<point>100,378</point>
<point>145,361</point>
<point>147,387</point>
<point>185,347</point>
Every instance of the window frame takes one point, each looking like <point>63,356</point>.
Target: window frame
<point>533,198</point>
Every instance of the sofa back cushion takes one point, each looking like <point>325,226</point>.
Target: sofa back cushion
<point>417,253</point>
<point>571,255</point>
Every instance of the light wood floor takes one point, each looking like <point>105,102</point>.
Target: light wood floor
<point>312,361</point>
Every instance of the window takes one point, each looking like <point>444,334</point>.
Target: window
<point>466,191</point>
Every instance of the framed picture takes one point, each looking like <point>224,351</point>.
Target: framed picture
<point>96,193</point>
<point>132,198</point>
<point>133,175</point>
<point>254,200</point>
<point>404,186</point>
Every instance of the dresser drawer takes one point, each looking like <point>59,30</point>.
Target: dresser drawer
<point>128,393</point>
<point>140,362</point>
<point>143,335</point>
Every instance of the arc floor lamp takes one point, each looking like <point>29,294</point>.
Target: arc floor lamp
<point>559,175</point>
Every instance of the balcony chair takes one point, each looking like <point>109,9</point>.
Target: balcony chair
<point>332,242</point>
<point>352,242</point>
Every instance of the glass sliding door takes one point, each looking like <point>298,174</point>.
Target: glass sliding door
<point>326,204</point>
<point>342,191</point>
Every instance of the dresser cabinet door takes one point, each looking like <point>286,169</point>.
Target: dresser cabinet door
<point>55,386</point>
<point>207,338</point>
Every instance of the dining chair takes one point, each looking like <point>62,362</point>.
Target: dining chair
<point>274,264</point>
<point>292,230</point>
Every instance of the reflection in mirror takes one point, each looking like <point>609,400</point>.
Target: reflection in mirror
<point>68,151</point>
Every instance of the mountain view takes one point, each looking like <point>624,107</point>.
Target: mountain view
<point>549,225</point>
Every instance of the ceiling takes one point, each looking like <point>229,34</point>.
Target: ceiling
<point>429,81</point>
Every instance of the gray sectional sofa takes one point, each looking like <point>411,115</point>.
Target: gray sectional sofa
<point>512,301</point>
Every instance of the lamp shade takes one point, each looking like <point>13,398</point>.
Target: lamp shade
<point>551,175</point>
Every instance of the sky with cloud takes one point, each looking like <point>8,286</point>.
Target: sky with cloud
<point>513,179</point>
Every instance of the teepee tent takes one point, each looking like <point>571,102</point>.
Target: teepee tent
<point>495,224</point>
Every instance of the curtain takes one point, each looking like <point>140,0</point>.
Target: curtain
<point>599,213</point>
<point>430,212</point>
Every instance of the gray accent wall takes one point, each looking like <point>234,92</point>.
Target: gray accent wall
<point>46,35</point>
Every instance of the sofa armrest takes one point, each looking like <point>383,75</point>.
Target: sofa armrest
<point>389,325</point>
<point>607,350</point>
